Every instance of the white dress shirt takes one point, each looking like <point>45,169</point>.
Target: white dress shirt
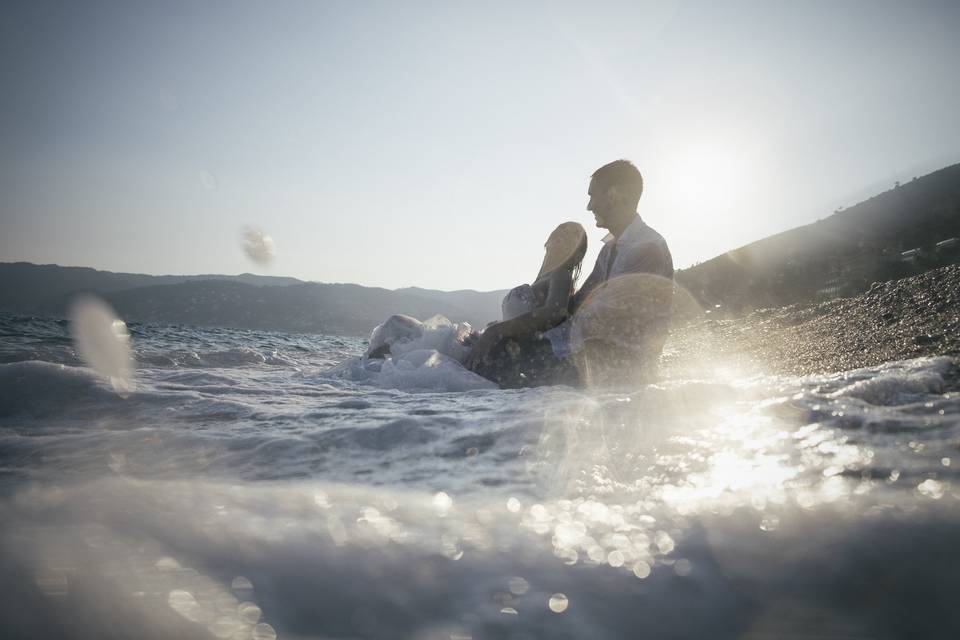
<point>638,250</point>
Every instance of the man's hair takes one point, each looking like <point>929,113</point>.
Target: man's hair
<point>622,174</point>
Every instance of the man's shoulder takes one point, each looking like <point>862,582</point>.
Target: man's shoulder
<point>645,250</point>
<point>639,233</point>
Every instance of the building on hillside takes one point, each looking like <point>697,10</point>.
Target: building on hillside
<point>832,288</point>
<point>910,255</point>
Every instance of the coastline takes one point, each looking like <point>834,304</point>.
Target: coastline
<point>914,317</point>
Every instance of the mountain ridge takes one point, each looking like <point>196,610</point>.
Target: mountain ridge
<point>904,231</point>
<point>242,301</point>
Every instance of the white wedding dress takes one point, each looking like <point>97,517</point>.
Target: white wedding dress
<point>405,353</point>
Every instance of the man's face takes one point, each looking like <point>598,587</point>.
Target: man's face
<point>599,204</point>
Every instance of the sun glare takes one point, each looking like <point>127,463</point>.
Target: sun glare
<point>707,176</point>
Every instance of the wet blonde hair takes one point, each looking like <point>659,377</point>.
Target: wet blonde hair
<point>565,249</point>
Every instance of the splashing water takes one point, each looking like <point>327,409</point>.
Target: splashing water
<point>102,340</point>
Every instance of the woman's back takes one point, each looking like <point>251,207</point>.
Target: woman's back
<point>525,298</point>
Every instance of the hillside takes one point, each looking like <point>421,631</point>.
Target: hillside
<point>901,232</point>
<point>339,309</point>
<point>243,301</point>
<point>475,304</point>
<point>26,287</point>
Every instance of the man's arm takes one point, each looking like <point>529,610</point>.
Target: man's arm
<point>638,290</point>
<point>545,316</point>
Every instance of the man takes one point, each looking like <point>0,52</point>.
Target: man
<point>620,316</point>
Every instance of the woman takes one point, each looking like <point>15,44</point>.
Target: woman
<point>511,352</point>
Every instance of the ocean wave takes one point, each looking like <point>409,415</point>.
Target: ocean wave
<point>897,383</point>
<point>37,389</point>
<point>225,358</point>
<point>403,432</point>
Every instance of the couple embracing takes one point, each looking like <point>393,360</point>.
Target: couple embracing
<point>609,332</point>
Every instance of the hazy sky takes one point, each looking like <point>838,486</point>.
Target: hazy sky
<point>438,143</point>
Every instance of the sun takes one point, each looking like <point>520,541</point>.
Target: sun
<point>707,177</point>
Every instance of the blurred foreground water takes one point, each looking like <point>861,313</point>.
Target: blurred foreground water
<point>249,488</point>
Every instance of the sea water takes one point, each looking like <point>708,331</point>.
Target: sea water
<point>254,485</point>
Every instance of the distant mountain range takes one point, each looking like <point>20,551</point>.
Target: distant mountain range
<point>244,301</point>
<point>907,230</point>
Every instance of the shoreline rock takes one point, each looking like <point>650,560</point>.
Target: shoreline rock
<point>902,319</point>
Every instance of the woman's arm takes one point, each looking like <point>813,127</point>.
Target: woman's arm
<point>547,315</point>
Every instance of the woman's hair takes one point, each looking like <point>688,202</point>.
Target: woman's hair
<point>565,247</point>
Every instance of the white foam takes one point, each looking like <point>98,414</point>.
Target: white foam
<point>420,356</point>
<point>429,369</point>
<point>894,383</point>
<point>413,370</point>
<point>403,334</point>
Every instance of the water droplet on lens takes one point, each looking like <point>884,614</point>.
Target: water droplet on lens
<point>226,627</point>
<point>519,586</point>
<point>263,631</point>
<point>249,612</point>
<point>103,342</point>
<point>641,569</point>
<point>208,180</point>
<point>513,505</point>
<point>242,586</point>
<point>596,553</point>
<point>442,502</point>
<point>931,488</point>
<point>558,603</point>
<point>258,246</point>
<point>664,542</point>
<point>185,604</point>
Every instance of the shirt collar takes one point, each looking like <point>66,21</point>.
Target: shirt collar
<point>607,239</point>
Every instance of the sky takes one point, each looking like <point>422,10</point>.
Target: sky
<point>437,144</point>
